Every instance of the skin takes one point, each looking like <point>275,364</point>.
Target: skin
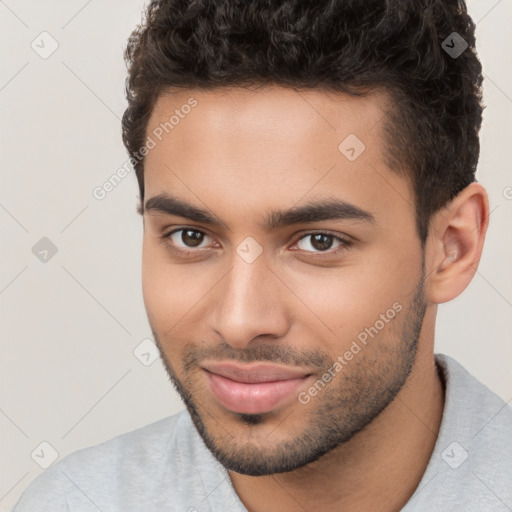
<point>239,154</point>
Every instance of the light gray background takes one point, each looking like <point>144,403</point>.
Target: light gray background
<point>68,375</point>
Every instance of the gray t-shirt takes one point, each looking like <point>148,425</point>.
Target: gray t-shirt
<point>166,466</point>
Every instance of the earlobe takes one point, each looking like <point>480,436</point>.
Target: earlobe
<point>455,244</point>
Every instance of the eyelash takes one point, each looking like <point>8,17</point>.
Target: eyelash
<point>345,242</point>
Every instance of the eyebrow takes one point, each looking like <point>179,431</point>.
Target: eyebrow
<point>326,209</point>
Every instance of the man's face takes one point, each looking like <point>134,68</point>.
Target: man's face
<point>284,336</point>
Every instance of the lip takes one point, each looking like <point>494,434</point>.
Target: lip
<point>253,388</point>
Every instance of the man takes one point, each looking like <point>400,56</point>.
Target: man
<point>307,185</point>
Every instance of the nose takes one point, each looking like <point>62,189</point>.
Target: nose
<point>249,304</point>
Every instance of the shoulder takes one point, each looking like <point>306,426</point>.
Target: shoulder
<point>140,446</point>
<point>471,465</point>
<point>90,476</point>
<point>472,410</point>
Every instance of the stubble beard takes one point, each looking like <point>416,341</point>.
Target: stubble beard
<point>365,387</point>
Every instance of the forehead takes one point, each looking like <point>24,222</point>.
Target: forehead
<point>271,108</point>
<point>271,144</point>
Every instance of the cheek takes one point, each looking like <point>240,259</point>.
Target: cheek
<point>160,288</point>
<point>344,302</point>
<point>172,292</point>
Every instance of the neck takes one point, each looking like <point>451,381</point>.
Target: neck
<point>378,469</point>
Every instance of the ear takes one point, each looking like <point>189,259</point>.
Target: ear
<point>455,242</point>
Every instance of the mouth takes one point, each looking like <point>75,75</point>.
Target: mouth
<point>255,387</point>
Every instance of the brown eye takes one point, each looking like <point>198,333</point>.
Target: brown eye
<point>185,238</point>
<point>191,238</point>
<point>321,242</point>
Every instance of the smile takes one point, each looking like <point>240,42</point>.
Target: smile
<point>253,388</point>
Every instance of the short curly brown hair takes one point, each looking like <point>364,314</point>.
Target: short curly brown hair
<point>351,46</point>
